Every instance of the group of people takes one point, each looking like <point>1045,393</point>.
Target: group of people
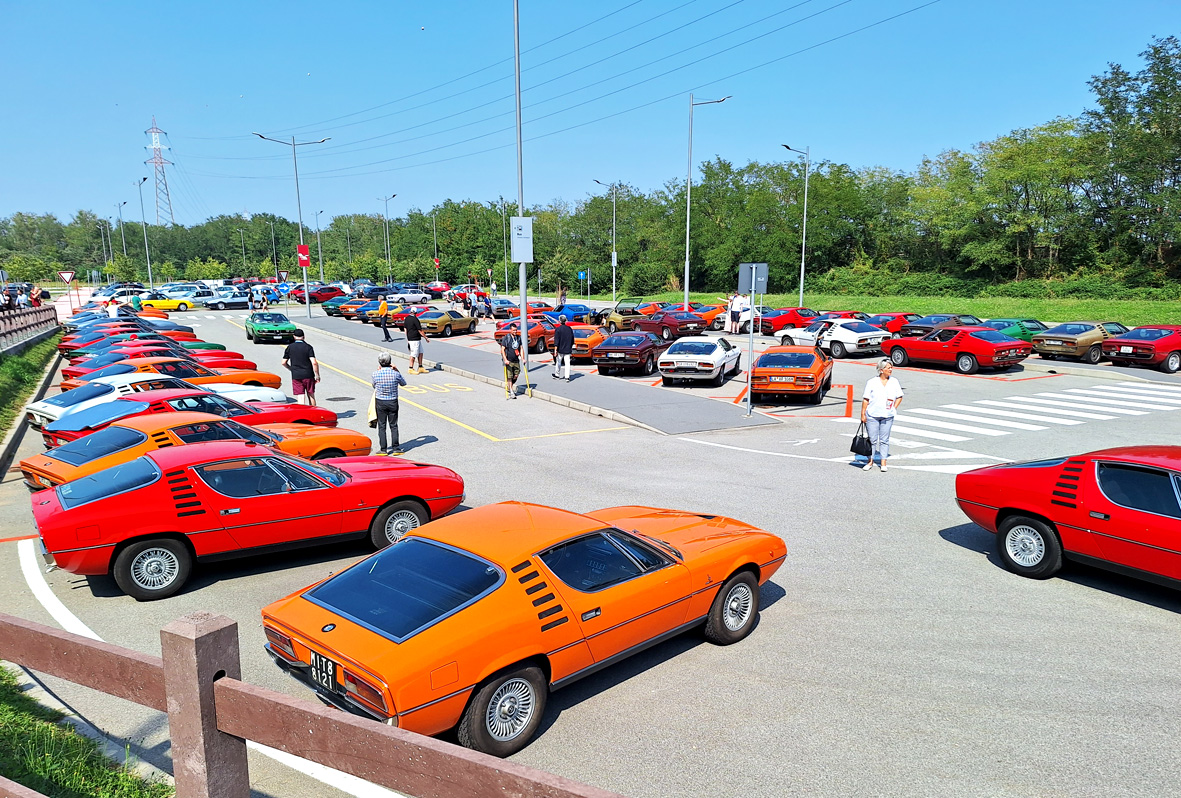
<point>736,305</point>
<point>414,335</point>
<point>22,299</point>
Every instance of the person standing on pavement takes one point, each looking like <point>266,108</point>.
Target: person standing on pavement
<point>383,311</point>
<point>113,308</point>
<point>510,354</point>
<point>563,347</point>
<point>386,380</point>
<point>733,312</point>
<point>879,405</point>
<point>415,340</point>
<point>300,359</point>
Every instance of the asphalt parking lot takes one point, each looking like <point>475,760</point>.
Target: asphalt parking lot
<point>894,655</point>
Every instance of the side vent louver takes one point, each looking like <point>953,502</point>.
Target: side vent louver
<point>161,440</point>
<point>183,494</point>
<point>1065,490</point>
<point>546,603</point>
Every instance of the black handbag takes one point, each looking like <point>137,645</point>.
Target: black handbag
<point>861,443</point>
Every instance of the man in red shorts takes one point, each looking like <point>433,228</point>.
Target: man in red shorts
<point>300,359</point>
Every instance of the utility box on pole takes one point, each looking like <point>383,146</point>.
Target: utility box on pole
<point>522,239</point>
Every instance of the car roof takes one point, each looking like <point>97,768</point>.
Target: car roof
<point>152,361</point>
<point>197,453</point>
<point>154,422</point>
<point>807,350</point>
<point>510,532</point>
<point>1160,456</point>
<point>164,394</point>
<point>1171,327</point>
<point>696,339</point>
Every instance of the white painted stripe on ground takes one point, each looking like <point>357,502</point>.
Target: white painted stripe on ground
<point>67,620</point>
<point>1086,403</point>
<point>947,425</point>
<point>924,433</point>
<point>1044,406</point>
<point>1100,396</point>
<point>1159,386</point>
<point>1136,393</point>
<point>975,418</point>
<point>975,408</point>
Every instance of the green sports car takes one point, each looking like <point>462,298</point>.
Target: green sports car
<point>264,326</point>
<point>332,306</point>
<point>1022,329</point>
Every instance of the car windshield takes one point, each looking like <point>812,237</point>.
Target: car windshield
<point>993,336</point>
<point>108,371</point>
<point>770,314</point>
<point>328,473</point>
<point>81,394</point>
<point>999,324</point>
<point>434,314</point>
<point>1069,329</point>
<point>692,348</point>
<point>878,321</point>
<point>1143,334</point>
<point>409,586</point>
<point>100,444</point>
<point>584,333</point>
<point>99,415</point>
<point>108,482</point>
<point>785,360</point>
<point>625,340</point>
<point>860,327</point>
<point>270,318</point>
<point>937,319</point>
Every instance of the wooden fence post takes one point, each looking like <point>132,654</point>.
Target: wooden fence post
<point>197,650</point>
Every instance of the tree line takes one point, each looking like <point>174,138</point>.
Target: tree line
<point>1086,206</point>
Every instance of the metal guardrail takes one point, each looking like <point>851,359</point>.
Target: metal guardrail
<point>17,326</point>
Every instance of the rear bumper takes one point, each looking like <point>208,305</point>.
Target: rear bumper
<point>298,671</point>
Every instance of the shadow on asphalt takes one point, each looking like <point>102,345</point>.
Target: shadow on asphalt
<point>421,440</point>
<point>981,541</point>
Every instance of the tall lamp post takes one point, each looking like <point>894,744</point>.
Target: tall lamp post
<point>504,225</point>
<point>385,220</point>
<point>119,209</point>
<point>807,153</point>
<point>298,206</point>
<point>614,258</point>
<point>319,249</point>
<point>102,239</point>
<point>435,235</point>
<point>689,184</point>
<point>242,236</point>
<point>144,223</point>
<point>274,252</point>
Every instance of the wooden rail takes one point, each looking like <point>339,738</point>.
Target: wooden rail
<point>17,325</point>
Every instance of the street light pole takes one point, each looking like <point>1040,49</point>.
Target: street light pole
<point>319,249</point>
<point>385,220</point>
<point>614,257</point>
<point>119,208</point>
<point>298,206</point>
<point>435,235</point>
<point>807,153</point>
<point>689,185</point>
<point>242,235</point>
<point>102,241</point>
<point>144,222</point>
<point>522,277</point>
<point>274,252</point>
<point>504,225</point>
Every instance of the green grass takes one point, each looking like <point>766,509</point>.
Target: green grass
<point>1130,312</point>
<point>39,753</point>
<point>18,378</point>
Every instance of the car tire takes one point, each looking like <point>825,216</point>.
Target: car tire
<point>665,381</point>
<point>472,327</point>
<point>1172,363</point>
<point>816,396</point>
<point>666,334</point>
<point>737,366</point>
<point>505,712</point>
<point>649,367</point>
<point>734,610</point>
<point>717,323</point>
<point>899,357</point>
<point>837,349</point>
<point>1029,547</point>
<point>393,522</point>
<point>745,328</point>
<point>182,306</point>
<point>966,364</point>
<point>786,341</point>
<point>324,455</point>
<point>720,379</point>
<point>612,327</point>
<point>152,569</point>
<point>221,305</point>
<point>540,348</point>
<point>1093,355</point>
<point>447,331</point>
<point>604,370</point>
<point>249,336</point>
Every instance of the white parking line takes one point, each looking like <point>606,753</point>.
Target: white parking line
<point>975,408</point>
<point>67,620</point>
<point>976,418</point>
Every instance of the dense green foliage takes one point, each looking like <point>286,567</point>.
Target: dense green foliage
<point>1087,206</point>
<point>55,760</point>
<point>19,375</point>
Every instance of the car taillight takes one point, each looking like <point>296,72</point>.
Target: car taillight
<point>705,365</point>
<point>362,689</point>
<point>281,642</point>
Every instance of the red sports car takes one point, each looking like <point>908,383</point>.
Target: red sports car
<point>1152,345</point>
<point>147,521</point>
<point>320,293</point>
<point>210,359</point>
<point>892,322</point>
<point>1114,508</point>
<point>966,348</point>
<point>671,324</point>
<point>399,319</point>
<point>84,422</point>
<point>773,321</point>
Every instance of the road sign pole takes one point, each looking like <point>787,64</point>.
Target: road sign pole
<point>750,363</point>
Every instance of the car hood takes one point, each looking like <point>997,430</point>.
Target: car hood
<point>691,533</point>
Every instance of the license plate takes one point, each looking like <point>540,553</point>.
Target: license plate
<point>323,671</point>
<point>1052,343</point>
<point>616,354</point>
<point>690,326</point>
<point>783,379</point>
<point>1125,349</point>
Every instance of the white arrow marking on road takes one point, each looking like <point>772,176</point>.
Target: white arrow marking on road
<point>801,443</point>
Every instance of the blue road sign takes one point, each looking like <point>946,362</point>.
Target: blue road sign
<point>284,288</point>
<point>582,275</point>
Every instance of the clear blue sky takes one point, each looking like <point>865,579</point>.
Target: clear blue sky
<point>416,96</point>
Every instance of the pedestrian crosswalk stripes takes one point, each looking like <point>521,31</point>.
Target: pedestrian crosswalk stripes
<point>1104,399</point>
<point>909,419</point>
<point>1079,406</point>
<point>989,411</point>
<point>926,433</point>
<point>1154,386</point>
<point>1025,403</point>
<point>1131,393</point>
<point>1107,406</point>
<point>962,417</point>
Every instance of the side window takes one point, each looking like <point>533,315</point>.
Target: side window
<point>590,563</point>
<point>1136,487</point>
<point>224,407</point>
<point>242,479</point>
<point>647,557</point>
<point>196,403</point>
<point>455,314</point>
<point>945,335</point>
<point>296,477</point>
<point>722,342</point>
<point>198,433</point>
<point>1115,329</point>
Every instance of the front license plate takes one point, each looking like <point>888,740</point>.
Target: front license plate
<point>616,354</point>
<point>323,671</point>
<point>1125,349</point>
<point>783,379</point>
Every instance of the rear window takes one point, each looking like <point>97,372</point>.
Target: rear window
<point>81,394</point>
<point>108,371</point>
<point>1143,334</point>
<point>786,360</point>
<point>692,348</point>
<point>625,340</point>
<point>100,444</point>
<point>108,482</point>
<point>860,327</point>
<point>408,587</point>
<point>1070,329</point>
<point>992,336</point>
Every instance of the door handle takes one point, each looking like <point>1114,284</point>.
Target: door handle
<point>1100,516</point>
<point>232,511</point>
<point>595,613</point>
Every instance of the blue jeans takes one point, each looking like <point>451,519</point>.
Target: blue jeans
<point>879,435</point>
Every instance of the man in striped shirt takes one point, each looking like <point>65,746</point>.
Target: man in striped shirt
<point>386,380</point>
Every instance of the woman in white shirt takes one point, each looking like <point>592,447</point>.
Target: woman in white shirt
<point>879,405</point>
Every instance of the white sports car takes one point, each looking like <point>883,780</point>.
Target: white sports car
<point>104,389</point>
<point>839,336</point>
<point>408,298</point>
<point>697,357</point>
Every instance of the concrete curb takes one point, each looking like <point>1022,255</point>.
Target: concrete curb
<point>113,749</point>
<point>12,439</point>
<point>573,404</point>
<point>1101,374</point>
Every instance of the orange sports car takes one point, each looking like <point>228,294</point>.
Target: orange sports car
<point>125,440</point>
<point>470,621</point>
<point>182,369</point>
<point>791,371</point>
<point>587,337</point>
<point>709,312</point>
<point>541,333</point>
<point>349,309</point>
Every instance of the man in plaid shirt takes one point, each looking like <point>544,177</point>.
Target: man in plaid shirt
<point>386,380</point>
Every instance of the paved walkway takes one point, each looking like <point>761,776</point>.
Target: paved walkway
<point>670,412</point>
